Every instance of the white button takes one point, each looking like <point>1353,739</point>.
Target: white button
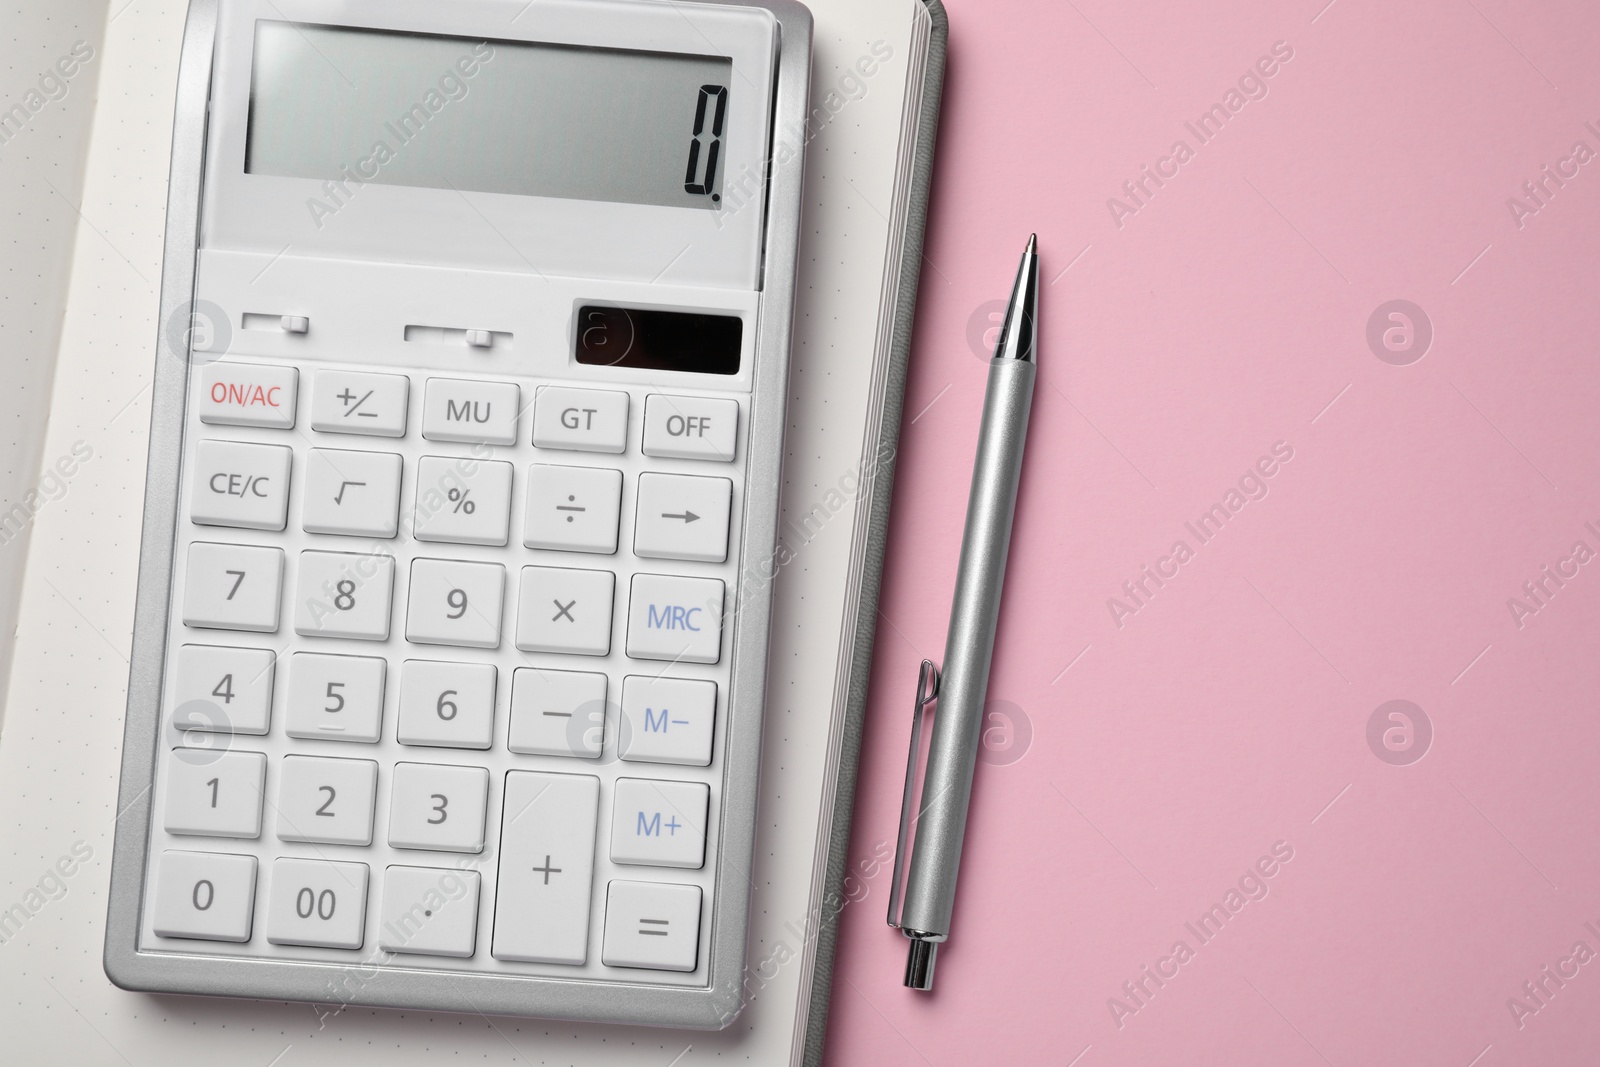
<point>667,720</point>
<point>240,485</point>
<point>471,412</point>
<point>653,925</point>
<point>659,824</point>
<point>675,618</point>
<point>294,323</point>
<point>212,793</point>
<point>480,338</point>
<point>247,394</point>
<point>335,698</point>
<point>455,603</point>
<point>355,402</point>
<point>317,903</point>
<point>572,509</point>
<point>584,420</point>
<point>690,427</point>
<point>222,690</point>
<point>352,493</point>
<point>561,610</point>
<point>464,501</point>
<point>557,713</point>
<point>429,912</point>
<point>344,594</point>
<point>327,801</point>
<point>447,705</point>
<point>232,587</point>
<point>438,808</point>
<point>204,895</point>
<point>546,867</point>
<point>682,518</point>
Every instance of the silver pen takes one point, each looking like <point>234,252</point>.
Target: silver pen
<point>922,912</point>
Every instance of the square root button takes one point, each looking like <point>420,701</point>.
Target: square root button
<point>652,925</point>
<point>675,618</point>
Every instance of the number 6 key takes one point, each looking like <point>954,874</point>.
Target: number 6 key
<point>447,705</point>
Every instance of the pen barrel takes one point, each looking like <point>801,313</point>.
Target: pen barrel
<point>969,647</point>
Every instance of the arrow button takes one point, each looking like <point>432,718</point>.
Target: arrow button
<point>683,517</point>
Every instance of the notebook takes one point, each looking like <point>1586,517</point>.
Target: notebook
<point>69,574</point>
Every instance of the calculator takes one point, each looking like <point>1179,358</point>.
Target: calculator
<point>461,514</point>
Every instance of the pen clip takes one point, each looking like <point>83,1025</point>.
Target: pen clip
<point>927,692</point>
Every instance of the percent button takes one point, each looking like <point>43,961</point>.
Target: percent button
<point>464,502</point>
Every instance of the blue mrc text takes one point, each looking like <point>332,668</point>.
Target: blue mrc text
<point>672,617</point>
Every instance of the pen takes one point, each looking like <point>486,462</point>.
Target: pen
<point>960,688</point>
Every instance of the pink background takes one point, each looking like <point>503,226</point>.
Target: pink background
<point>1231,711</point>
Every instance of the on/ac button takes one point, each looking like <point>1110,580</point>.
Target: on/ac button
<point>248,394</point>
<point>690,427</point>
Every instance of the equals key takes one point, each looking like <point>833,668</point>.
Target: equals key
<point>652,925</point>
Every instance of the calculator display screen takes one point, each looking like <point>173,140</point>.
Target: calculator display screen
<point>355,106</point>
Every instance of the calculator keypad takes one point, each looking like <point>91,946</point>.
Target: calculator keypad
<point>451,691</point>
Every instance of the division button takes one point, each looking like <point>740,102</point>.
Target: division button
<point>572,509</point>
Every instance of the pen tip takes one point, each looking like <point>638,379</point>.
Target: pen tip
<point>1033,244</point>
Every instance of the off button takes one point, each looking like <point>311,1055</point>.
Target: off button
<point>690,427</point>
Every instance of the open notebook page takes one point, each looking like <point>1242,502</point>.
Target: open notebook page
<point>61,746</point>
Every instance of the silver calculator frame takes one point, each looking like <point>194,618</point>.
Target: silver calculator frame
<point>713,1006</point>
